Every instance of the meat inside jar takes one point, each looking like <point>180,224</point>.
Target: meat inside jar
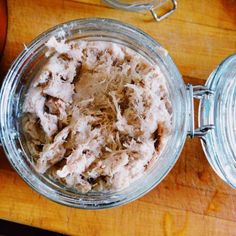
<point>97,115</point>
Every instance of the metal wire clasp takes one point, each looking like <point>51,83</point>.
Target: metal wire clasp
<point>197,92</point>
<point>161,17</point>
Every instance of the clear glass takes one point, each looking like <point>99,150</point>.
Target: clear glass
<point>136,5</point>
<point>31,60</point>
<point>145,5</point>
<point>219,109</point>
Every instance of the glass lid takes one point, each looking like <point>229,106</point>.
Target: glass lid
<point>168,6</point>
<point>219,109</point>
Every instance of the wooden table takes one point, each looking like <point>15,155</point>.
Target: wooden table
<point>192,199</point>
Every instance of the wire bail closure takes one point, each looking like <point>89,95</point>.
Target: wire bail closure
<point>165,15</point>
<point>197,92</point>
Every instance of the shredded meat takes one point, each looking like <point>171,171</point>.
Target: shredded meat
<point>102,112</point>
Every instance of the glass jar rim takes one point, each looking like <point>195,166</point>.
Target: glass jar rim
<point>219,109</point>
<point>63,31</point>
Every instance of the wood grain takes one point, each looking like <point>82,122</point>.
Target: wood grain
<point>192,199</point>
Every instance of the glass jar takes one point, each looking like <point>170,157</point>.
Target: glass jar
<point>32,58</point>
<point>145,5</point>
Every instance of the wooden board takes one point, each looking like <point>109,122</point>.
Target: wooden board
<point>192,199</point>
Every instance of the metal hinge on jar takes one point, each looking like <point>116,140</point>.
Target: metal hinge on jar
<point>197,92</point>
